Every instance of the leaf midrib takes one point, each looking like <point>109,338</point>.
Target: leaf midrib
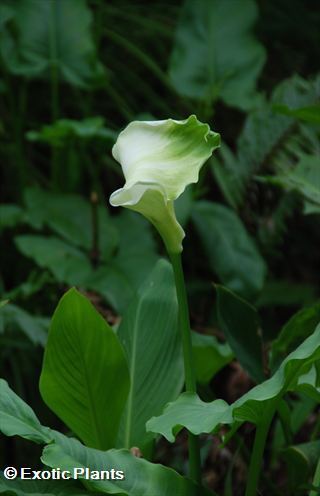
<point>129,406</point>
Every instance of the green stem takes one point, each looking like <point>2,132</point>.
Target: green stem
<point>190,380</point>
<point>285,416</point>
<point>257,453</point>
<point>316,481</point>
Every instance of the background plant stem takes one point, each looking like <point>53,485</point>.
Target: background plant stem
<point>190,381</point>
<point>257,452</point>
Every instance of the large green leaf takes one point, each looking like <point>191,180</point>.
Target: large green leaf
<point>20,487</point>
<point>209,356</point>
<point>18,419</point>
<point>240,324</point>
<point>191,412</point>
<point>197,416</point>
<point>85,378</point>
<point>142,478</point>
<point>149,335</point>
<point>54,35</point>
<point>231,253</point>
<point>215,53</point>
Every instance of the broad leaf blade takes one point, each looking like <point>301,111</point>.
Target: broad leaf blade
<point>54,35</point>
<point>18,419</point>
<point>231,252</point>
<point>191,412</point>
<point>142,478</point>
<point>216,54</point>
<point>149,334</point>
<point>197,416</point>
<point>85,377</point>
<point>239,322</point>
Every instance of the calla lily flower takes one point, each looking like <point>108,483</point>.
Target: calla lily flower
<point>159,159</point>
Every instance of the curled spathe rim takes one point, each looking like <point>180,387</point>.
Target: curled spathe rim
<point>139,190</point>
<point>159,159</point>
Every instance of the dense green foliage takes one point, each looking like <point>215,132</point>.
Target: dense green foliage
<point>73,73</point>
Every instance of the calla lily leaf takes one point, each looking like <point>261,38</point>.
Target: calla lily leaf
<point>159,159</point>
<point>200,417</point>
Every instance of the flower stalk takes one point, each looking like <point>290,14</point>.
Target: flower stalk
<point>159,159</point>
<point>256,459</point>
<point>190,379</point>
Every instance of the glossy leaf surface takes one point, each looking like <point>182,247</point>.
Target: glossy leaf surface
<point>18,419</point>
<point>84,378</point>
<point>197,416</point>
<point>142,478</point>
<point>149,335</point>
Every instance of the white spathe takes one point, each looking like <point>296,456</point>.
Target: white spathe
<point>159,159</point>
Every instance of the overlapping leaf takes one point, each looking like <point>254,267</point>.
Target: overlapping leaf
<point>142,478</point>
<point>18,419</point>
<point>150,337</point>
<point>197,416</point>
